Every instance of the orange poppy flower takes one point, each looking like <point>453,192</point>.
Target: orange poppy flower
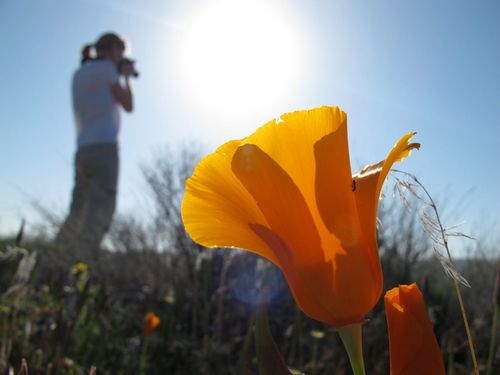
<point>151,321</point>
<point>286,193</point>
<point>413,346</point>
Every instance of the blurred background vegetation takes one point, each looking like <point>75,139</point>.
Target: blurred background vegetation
<point>64,317</point>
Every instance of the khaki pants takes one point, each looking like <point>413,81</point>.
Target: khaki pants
<point>94,199</point>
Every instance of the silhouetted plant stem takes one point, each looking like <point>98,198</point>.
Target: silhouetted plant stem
<point>450,363</point>
<point>269,358</point>
<point>494,325</point>
<point>314,357</point>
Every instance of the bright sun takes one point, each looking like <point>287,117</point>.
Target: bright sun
<point>240,56</point>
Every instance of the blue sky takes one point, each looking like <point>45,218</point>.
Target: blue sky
<point>393,66</point>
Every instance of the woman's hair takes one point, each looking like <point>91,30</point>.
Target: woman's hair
<point>105,43</point>
<point>86,53</point>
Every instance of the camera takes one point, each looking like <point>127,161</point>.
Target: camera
<point>126,61</point>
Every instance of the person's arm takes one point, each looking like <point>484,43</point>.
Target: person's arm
<point>123,94</point>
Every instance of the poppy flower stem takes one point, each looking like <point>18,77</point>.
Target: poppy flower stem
<point>351,337</point>
<point>142,359</point>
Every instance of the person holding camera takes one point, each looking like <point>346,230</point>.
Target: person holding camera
<point>98,95</point>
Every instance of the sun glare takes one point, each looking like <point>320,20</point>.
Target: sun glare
<point>239,56</point>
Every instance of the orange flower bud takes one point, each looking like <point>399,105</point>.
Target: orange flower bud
<point>414,349</point>
<point>151,321</point>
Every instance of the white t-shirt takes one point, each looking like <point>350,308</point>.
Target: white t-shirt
<point>96,111</point>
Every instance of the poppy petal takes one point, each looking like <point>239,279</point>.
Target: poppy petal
<point>280,201</point>
<point>292,235</point>
<point>288,218</point>
<point>216,208</point>
<point>334,186</point>
<point>304,294</point>
<point>290,141</point>
<point>369,183</point>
